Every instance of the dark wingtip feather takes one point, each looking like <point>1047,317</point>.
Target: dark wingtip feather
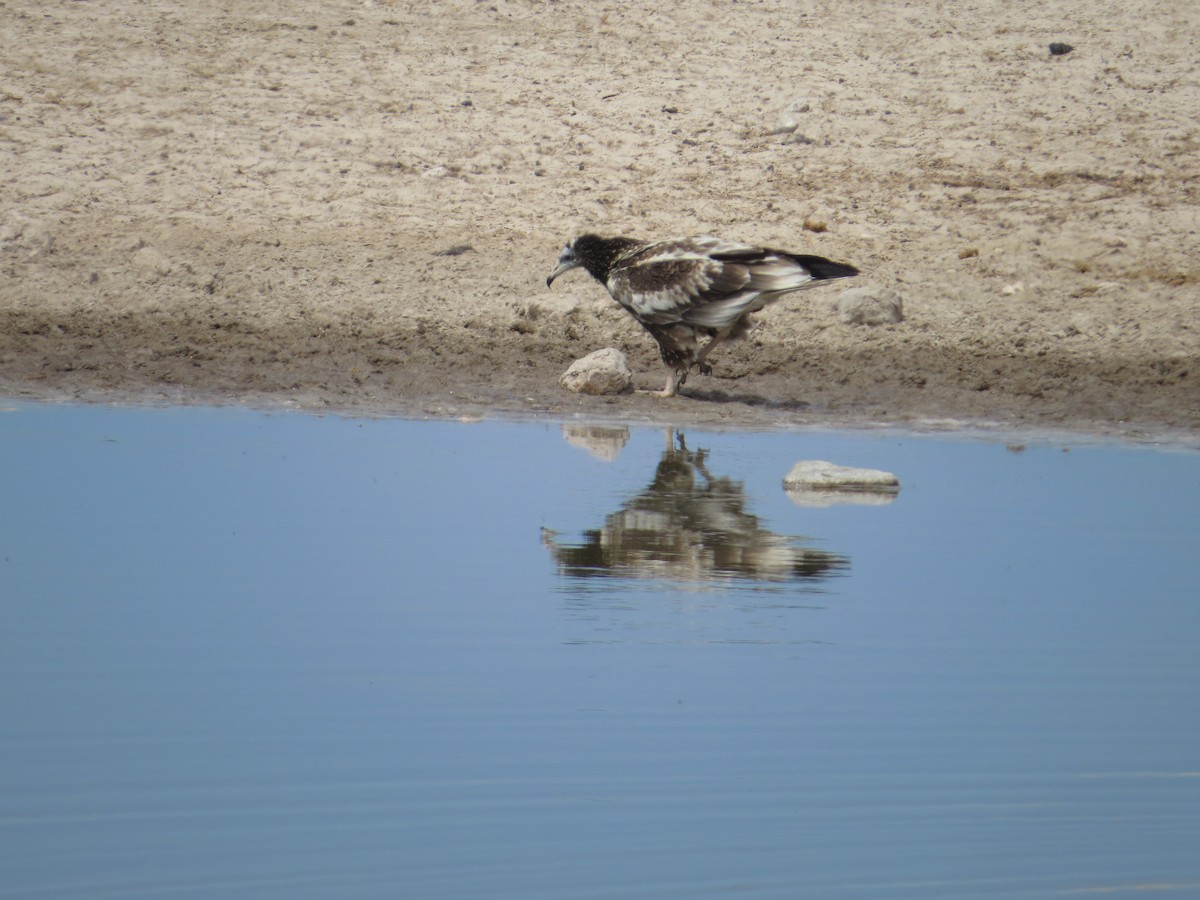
<point>822,268</point>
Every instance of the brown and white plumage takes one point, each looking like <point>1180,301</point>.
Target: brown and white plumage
<point>683,289</point>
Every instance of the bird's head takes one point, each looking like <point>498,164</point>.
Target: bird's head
<point>594,253</point>
<point>567,260</point>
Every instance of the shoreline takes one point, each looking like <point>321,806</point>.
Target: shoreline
<point>354,206</point>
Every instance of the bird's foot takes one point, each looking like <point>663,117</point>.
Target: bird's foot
<point>703,368</point>
<point>674,382</point>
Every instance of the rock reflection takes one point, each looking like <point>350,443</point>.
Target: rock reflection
<point>605,442</point>
<point>689,525</point>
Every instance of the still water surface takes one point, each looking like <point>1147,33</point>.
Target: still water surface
<point>248,655</point>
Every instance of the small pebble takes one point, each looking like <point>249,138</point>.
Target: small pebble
<point>152,262</point>
<point>785,120</point>
<point>1060,49</point>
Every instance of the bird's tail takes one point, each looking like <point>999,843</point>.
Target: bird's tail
<point>821,268</point>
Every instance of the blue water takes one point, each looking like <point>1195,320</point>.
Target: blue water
<point>249,655</point>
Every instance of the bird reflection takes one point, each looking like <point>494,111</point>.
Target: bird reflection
<point>690,525</point>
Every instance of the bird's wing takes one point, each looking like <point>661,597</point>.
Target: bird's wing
<point>708,282</point>
<point>673,280</point>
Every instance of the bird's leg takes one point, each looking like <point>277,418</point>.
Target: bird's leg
<point>675,380</point>
<point>704,367</point>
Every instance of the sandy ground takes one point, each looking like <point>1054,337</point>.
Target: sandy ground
<point>268,202</point>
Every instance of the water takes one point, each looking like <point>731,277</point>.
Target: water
<point>247,655</point>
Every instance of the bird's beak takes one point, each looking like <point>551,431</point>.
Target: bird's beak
<point>559,269</point>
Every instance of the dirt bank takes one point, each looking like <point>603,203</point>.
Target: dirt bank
<point>264,203</point>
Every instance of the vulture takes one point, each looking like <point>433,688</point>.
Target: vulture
<point>684,289</point>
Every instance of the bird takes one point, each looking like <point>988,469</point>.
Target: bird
<point>684,289</point>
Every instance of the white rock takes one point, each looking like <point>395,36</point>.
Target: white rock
<point>152,261</point>
<point>815,482</point>
<point>785,120</point>
<point>603,372</point>
<point>785,123</point>
<point>869,306</point>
